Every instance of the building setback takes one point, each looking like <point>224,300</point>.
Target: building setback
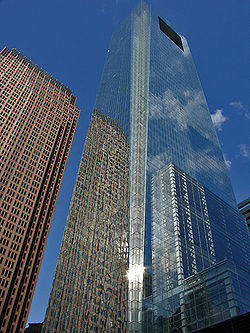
<point>174,257</point>
<point>244,208</point>
<point>38,121</point>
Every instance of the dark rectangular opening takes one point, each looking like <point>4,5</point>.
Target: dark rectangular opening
<point>170,33</point>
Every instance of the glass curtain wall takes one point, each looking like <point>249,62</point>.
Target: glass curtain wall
<point>183,228</point>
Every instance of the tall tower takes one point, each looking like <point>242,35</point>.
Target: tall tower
<point>168,248</point>
<point>38,121</point>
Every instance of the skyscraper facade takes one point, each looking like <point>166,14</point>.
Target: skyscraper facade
<point>183,244</point>
<point>38,121</point>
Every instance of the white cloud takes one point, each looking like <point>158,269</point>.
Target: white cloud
<point>185,108</point>
<point>218,119</point>
<point>228,163</point>
<point>245,150</point>
<point>157,162</point>
<point>239,105</point>
<point>170,106</point>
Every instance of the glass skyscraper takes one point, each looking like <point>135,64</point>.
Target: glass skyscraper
<point>153,240</point>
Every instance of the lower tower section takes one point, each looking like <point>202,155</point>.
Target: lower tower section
<point>198,278</point>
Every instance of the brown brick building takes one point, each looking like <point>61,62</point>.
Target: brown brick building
<point>38,119</point>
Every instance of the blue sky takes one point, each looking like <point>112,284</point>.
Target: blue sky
<point>70,39</point>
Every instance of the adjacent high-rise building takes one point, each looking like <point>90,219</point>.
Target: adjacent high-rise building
<point>38,121</point>
<point>153,240</point>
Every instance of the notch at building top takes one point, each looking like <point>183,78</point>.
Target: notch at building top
<point>170,33</point>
